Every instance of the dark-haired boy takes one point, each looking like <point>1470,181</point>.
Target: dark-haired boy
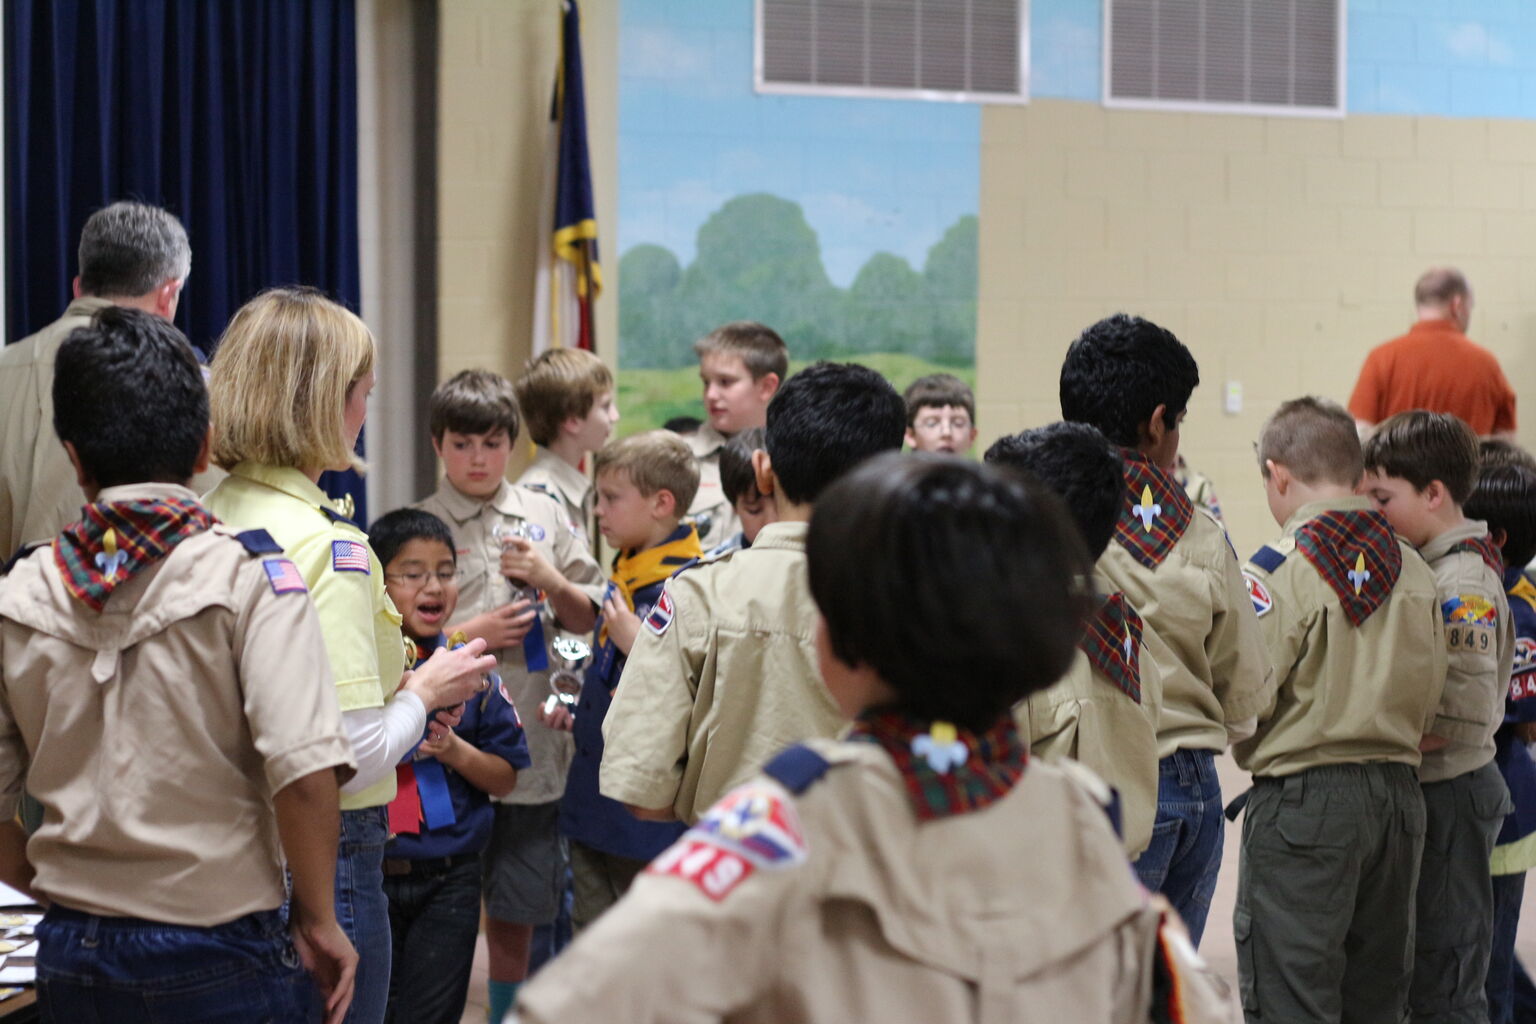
<point>723,674</point>
<point>753,510</point>
<point>923,867</point>
<point>1334,824</point>
<point>441,816</point>
<point>1132,379</point>
<point>1103,712</point>
<point>644,484</point>
<point>742,364</point>
<point>941,414</point>
<point>504,533</point>
<point>165,695</point>
<point>1421,468</point>
<point>1505,499</point>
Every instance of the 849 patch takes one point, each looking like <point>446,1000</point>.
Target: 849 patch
<point>715,872</point>
<point>754,827</point>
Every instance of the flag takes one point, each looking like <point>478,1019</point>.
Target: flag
<point>569,277</point>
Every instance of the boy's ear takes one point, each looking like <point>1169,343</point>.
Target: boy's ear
<point>1500,536</point>
<point>762,472</point>
<point>663,504</point>
<point>1436,495</point>
<point>1155,428</point>
<point>909,440</point>
<point>437,447</point>
<point>81,476</point>
<point>200,464</point>
<point>1279,474</point>
<point>767,386</point>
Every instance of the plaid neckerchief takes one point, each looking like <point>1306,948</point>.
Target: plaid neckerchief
<point>947,770</point>
<point>1485,548</point>
<point>1356,553</point>
<point>1112,642</point>
<point>1155,512</point>
<point>112,542</point>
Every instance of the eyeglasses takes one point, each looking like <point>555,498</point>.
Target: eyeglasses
<point>419,579</point>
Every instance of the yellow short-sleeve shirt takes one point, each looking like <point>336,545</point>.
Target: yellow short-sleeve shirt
<point>345,579</point>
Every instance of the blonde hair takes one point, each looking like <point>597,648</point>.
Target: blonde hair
<point>655,460</point>
<point>558,384</point>
<point>279,382</point>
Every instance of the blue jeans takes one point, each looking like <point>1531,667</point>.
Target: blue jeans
<point>362,910</point>
<point>1508,893</point>
<point>434,915</point>
<point>1185,853</point>
<point>125,970</point>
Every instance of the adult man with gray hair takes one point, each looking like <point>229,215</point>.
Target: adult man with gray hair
<point>131,254</point>
<point>1435,366</point>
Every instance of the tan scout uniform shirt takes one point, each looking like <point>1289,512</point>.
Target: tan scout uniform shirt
<point>156,731</point>
<point>1348,694</point>
<point>722,678</point>
<point>1086,718</point>
<point>38,492</point>
<point>552,475</point>
<point>1197,604</point>
<point>482,588</point>
<point>711,514</point>
<point>1480,648</point>
<point>360,625</point>
<point>1023,911</point>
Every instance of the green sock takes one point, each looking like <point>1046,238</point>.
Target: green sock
<point>503,994</point>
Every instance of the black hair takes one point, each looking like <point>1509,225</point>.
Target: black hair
<point>825,420</point>
<point>1119,371</point>
<point>1421,447</point>
<point>394,530</point>
<point>1080,465</point>
<point>683,424</point>
<point>961,585</point>
<point>736,474</point>
<point>1505,498</point>
<point>129,395</point>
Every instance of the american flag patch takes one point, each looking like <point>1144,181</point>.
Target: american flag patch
<point>284,576</point>
<point>349,556</point>
<point>661,615</point>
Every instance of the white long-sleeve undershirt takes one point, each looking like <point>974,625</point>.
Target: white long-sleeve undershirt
<point>381,736</point>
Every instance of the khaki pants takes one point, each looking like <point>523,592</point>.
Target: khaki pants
<point>1324,917</point>
<point>1455,897</point>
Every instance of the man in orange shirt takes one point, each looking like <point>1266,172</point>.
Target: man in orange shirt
<point>1434,366</point>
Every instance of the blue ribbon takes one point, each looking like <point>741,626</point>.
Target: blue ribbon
<point>535,651</point>
<point>432,786</point>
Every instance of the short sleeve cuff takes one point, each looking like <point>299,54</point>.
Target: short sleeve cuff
<point>288,766</point>
<point>639,787</point>
<point>359,694</point>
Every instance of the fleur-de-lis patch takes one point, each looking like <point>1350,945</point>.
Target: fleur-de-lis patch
<point>1359,575</point>
<point>941,747</point>
<point>1148,510</point>
<point>110,559</point>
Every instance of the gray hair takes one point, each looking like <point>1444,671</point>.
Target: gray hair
<point>129,248</point>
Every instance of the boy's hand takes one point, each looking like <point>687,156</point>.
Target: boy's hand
<point>501,627</point>
<point>328,956</point>
<point>558,717</point>
<point>623,625</point>
<point>520,560</point>
<point>442,724</point>
<point>441,746</point>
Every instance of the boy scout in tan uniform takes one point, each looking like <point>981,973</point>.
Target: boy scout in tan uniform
<point>721,678</point>
<point>549,474</point>
<point>482,587</point>
<point>1103,713</point>
<point>710,512</point>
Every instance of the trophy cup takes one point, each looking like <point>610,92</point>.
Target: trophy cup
<point>572,656</point>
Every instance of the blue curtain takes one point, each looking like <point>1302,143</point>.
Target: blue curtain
<point>239,116</point>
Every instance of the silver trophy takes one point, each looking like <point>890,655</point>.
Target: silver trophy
<point>504,533</point>
<point>572,655</point>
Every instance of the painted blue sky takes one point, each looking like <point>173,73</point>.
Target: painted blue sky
<point>881,175</point>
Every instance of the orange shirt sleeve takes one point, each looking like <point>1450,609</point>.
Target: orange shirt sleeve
<point>1365,401</point>
<point>1504,414</point>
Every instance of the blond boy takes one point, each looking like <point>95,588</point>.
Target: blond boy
<point>566,397</point>
<point>741,364</point>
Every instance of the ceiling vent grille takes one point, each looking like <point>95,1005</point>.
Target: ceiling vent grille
<point>975,50</point>
<point>1258,56</point>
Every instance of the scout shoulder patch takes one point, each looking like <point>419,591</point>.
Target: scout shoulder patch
<point>660,617</point>
<point>1154,512</point>
<point>258,542</point>
<point>754,828</point>
<point>1258,593</point>
<point>349,556</point>
<point>1522,678</point>
<point>1268,558</point>
<point>284,576</point>
<point>1469,623</point>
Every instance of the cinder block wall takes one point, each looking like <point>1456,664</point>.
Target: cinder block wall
<point>1279,249</point>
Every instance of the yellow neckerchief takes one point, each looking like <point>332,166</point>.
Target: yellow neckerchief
<point>636,570</point>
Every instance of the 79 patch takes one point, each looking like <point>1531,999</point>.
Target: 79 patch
<point>1258,593</point>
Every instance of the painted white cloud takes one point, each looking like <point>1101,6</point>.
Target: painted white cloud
<point>662,53</point>
<point>1472,41</point>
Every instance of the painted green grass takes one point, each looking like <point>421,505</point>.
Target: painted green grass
<point>648,398</point>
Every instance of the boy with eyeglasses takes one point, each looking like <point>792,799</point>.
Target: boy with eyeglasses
<point>441,816</point>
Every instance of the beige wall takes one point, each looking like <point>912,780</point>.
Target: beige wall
<point>497,66</point>
<point>1278,249</point>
